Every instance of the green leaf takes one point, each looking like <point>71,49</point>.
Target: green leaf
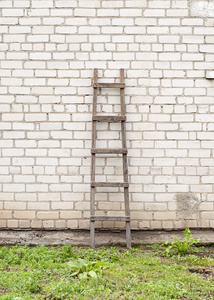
<point>98,265</point>
<point>187,231</point>
<point>92,274</point>
<point>83,275</point>
<point>166,244</point>
<point>74,274</point>
<point>74,264</point>
<point>92,263</point>
<point>82,262</point>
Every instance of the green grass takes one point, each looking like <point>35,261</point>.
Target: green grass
<point>143,272</point>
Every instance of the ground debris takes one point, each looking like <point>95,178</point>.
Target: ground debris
<point>4,291</point>
<point>206,272</point>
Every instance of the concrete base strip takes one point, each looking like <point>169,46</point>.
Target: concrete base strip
<point>82,237</point>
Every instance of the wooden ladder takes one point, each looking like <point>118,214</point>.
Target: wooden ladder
<point>110,119</point>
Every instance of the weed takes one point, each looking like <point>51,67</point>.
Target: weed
<point>181,246</point>
<point>84,269</point>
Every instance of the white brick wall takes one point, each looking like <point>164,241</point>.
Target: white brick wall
<point>47,55</point>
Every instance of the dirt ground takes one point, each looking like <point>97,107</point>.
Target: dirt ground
<point>103,237</point>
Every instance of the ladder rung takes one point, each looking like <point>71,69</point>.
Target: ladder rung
<point>109,85</point>
<point>100,218</point>
<point>113,119</point>
<point>109,184</point>
<point>107,151</point>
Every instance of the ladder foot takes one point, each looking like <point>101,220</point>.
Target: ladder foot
<point>128,235</point>
<point>93,235</point>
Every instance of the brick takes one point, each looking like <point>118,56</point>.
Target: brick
<point>10,12</point>
<point>62,206</point>
<point>112,4</point>
<point>35,117</point>
<point>167,224</point>
<point>107,12</point>
<point>70,214</point>
<point>164,215</point>
<point>63,3</point>
<point>207,215</point>
<point>40,56</point>
<point>47,215</point>
<point>12,223</point>
<point>154,12</point>
<point>164,179</point>
<point>156,224</point>
<point>4,108</point>
<point>81,12</point>
<point>142,215</point>
<point>15,205</point>
<point>24,215</point>
<point>48,224</point>
<point>71,224</point>
<point>177,12</point>
<point>155,206</point>
<point>46,161</point>
<point>60,187</point>
<point>42,4</point>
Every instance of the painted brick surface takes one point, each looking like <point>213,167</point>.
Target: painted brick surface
<point>47,54</point>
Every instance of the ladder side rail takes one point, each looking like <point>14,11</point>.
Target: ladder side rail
<point>125,164</point>
<point>92,198</point>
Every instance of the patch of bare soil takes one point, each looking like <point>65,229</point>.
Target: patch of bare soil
<point>204,254</point>
<point>10,269</point>
<point>205,272</point>
<point>4,291</point>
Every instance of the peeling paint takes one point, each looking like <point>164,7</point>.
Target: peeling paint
<point>187,206</point>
